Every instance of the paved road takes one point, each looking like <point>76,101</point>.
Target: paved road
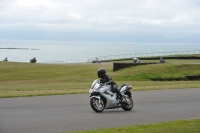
<point>54,114</point>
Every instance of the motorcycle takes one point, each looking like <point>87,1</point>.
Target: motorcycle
<point>33,60</point>
<point>136,60</point>
<point>103,98</point>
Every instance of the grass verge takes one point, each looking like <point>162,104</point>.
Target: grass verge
<point>27,79</point>
<point>180,126</point>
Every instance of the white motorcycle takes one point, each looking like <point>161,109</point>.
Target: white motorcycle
<point>102,98</point>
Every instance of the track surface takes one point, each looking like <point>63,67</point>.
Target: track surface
<point>55,114</point>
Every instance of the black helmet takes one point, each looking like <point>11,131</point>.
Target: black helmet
<point>101,72</point>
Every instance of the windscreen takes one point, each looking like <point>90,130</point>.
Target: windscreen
<point>94,83</point>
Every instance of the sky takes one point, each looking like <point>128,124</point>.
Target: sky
<point>176,21</point>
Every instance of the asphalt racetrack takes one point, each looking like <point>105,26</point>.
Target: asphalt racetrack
<point>64,113</point>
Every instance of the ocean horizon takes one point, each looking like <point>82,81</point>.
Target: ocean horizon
<point>82,51</point>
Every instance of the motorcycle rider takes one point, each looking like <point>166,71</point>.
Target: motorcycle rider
<point>104,78</point>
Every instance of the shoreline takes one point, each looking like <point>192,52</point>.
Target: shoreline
<point>21,48</point>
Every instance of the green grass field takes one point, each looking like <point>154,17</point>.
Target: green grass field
<point>184,126</point>
<point>26,79</point>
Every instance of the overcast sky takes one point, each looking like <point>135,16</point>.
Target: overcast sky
<point>101,20</point>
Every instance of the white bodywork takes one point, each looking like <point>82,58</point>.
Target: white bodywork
<point>105,91</point>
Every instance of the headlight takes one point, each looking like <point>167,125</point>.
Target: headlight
<point>91,91</point>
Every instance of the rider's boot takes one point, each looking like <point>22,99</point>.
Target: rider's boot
<point>121,98</point>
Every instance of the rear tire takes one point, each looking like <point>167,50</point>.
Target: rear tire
<point>129,106</point>
<point>96,105</point>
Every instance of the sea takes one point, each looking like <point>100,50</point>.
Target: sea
<point>82,52</point>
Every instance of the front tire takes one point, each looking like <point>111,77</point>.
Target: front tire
<point>97,105</point>
<point>128,107</point>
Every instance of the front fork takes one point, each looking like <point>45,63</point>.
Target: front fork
<point>96,96</point>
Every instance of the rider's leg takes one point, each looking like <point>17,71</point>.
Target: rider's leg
<point>115,90</point>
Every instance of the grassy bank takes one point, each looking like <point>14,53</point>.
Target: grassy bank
<point>26,79</point>
<point>159,71</point>
<point>184,126</point>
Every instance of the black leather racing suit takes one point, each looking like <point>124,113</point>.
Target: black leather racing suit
<point>108,80</point>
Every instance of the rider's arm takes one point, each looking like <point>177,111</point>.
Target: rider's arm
<point>109,80</point>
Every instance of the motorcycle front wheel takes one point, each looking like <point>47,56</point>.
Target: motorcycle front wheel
<point>97,105</point>
<point>129,106</point>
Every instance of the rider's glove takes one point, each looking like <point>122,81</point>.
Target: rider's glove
<point>101,81</point>
<point>110,82</point>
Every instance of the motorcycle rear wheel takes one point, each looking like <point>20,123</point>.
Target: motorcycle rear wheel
<point>97,106</point>
<point>129,106</point>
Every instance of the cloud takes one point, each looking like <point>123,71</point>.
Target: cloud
<point>127,16</point>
